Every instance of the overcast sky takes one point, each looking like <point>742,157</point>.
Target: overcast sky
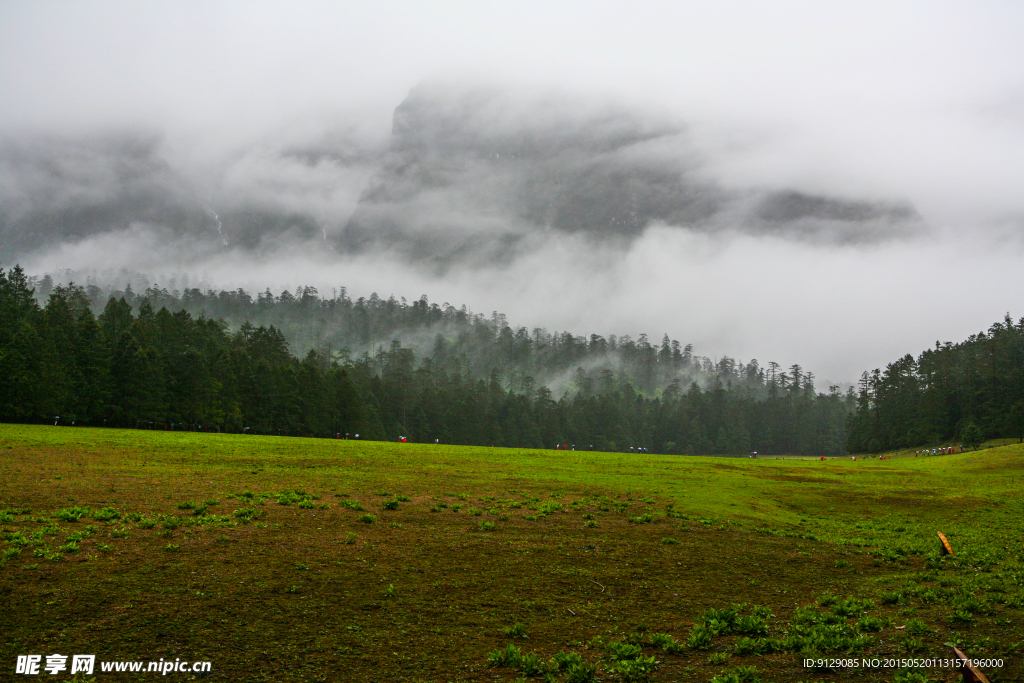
<point>902,102</point>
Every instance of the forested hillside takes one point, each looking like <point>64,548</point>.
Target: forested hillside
<point>158,368</point>
<point>945,393</point>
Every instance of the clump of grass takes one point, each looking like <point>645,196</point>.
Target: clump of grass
<point>717,658</point>
<point>486,526</point>
<point>107,514</point>
<point>73,514</point>
<point>870,624</point>
<point>700,638</point>
<point>516,630</point>
<point>750,625</point>
<point>669,541</point>
<point>171,548</point>
<point>248,514</point>
<point>367,519</point>
<point>390,505</point>
<point>642,519</point>
<point>508,657</point>
<point>170,522</point>
<point>211,502</point>
<point>120,533</point>
<point>402,499</point>
<point>349,539</point>
<point>456,507</point>
<point>71,547</point>
<point>890,598</point>
<point>738,674</point>
<point>389,592</point>
<point>666,642</point>
<point>147,523</point>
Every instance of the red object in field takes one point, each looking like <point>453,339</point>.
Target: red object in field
<point>823,458</point>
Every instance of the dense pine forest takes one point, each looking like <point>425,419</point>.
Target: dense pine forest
<point>967,392</point>
<point>222,360</point>
<point>159,366</point>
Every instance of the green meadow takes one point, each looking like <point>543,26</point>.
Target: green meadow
<point>287,559</point>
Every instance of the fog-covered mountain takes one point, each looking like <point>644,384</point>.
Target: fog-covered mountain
<point>468,174</point>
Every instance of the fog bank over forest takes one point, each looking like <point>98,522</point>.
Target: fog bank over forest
<point>726,179</point>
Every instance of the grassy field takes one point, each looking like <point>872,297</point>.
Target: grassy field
<point>283,559</point>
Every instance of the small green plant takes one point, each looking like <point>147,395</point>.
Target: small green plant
<point>476,512</point>
<point>104,548</point>
<point>352,505</point>
<point>642,519</point>
<point>890,598</point>
<point>300,566</point>
<point>456,507</point>
<point>486,526</point>
<point>390,505</point>
<point>635,670</point>
<point>588,516</point>
<point>367,519</point>
<point>738,674</point>
<point>590,524</point>
<point>508,657</point>
<point>350,538</point>
<point>563,661</point>
<point>666,642</point>
<point>960,616</point>
<point>170,523</point>
<point>870,624</point>
<point>751,625</point>
<point>717,658</point>
<point>120,533</point>
<point>211,502</point>
<point>532,665</point>
<point>402,499</point>
<point>669,541</point>
<point>248,514</point>
<point>619,651</point>
<point>106,515</point>
<point>73,514</point>
<point>187,505</point>
<point>171,548</point>
<point>917,627</point>
<point>700,638</point>
<point>516,630</point>
<point>147,523</point>
<point>389,592</point>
